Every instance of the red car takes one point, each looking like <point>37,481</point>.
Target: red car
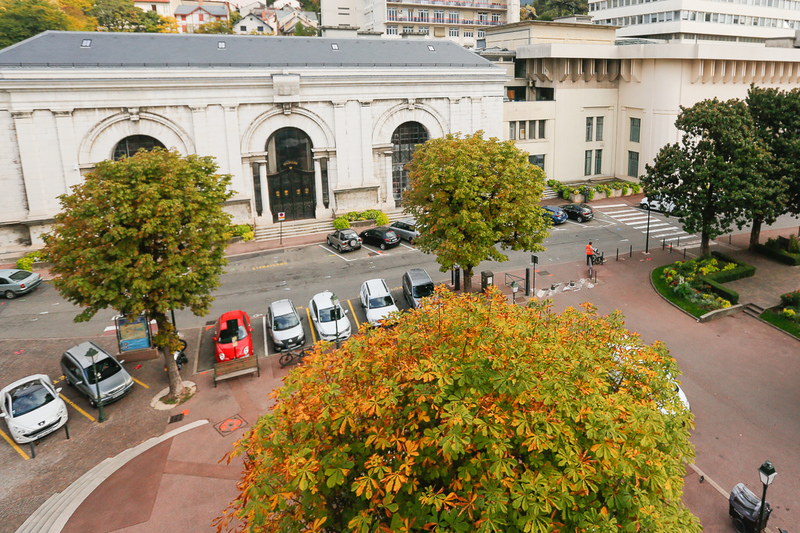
<point>232,336</point>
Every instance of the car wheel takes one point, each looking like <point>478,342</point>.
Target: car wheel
<point>579,219</point>
<point>339,248</point>
<point>10,295</point>
<point>646,207</point>
<point>383,246</point>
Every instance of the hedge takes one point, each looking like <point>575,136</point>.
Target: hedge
<point>720,290</point>
<point>779,255</point>
<point>742,270</point>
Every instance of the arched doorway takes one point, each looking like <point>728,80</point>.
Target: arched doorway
<point>128,146</point>
<point>404,141</point>
<point>290,175</point>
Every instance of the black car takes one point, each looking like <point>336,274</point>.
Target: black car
<point>579,212</point>
<point>382,236</point>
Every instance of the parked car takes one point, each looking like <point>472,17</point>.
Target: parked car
<point>232,337</point>
<point>405,229</point>
<point>377,301</point>
<point>32,408</point>
<point>14,282</point>
<point>417,284</point>
<point>382,236</point>
<point>111,378</point>
<point>556,214</point>
<point>344,240</point>
<point>322,312</point>
<point>285,328</point>
<point>579,212</point>
<point>657,203</point>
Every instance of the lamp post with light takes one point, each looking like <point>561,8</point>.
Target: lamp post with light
<point>101,414</point>
<point>767,474</point>
<point>336,314</point>
<point>514,289</point>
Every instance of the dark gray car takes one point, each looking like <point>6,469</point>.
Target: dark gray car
<point>417,284</point>
<point>15,282</point>
<point>114,380</point>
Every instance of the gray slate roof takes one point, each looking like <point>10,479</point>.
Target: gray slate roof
<point>56,49</point>
<point>218,11</point>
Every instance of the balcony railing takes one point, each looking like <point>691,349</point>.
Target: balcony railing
<point>456,3</point>
<point>451,22</point>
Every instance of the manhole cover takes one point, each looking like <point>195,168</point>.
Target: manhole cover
<point>543,273</point>
<point>231,424</point>
<point>175,418</point>
<point>373,254</point>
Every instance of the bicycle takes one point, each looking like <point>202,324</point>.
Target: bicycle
<point>288,357</point>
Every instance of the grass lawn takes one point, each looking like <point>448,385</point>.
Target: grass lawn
<point>774,317</point>
<point>667,292</point>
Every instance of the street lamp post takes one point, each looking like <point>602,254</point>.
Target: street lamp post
<point>514,289</point>
<point>336,315</point>
<point>767,474</point>
<point>101,414</point>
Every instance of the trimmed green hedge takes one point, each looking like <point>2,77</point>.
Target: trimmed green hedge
<point>742,270</point>
<point>720,290</point>
<point>779,255</point>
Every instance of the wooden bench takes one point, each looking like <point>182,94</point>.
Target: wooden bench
<point>237,367</point>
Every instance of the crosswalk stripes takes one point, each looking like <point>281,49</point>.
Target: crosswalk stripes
<point>659,229</point>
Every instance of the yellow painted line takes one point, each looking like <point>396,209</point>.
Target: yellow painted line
<point>81,411</point>
<point>268,266</point>
<point>140,383</point>
<point>57,380</point>
<point>311,325</point>
<point>354,314</point>
<point>14,445</point>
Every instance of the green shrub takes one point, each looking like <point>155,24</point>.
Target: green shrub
<point>553,184</point>
<point>720,290</point>
<point>794,245</point>
<point>353,216</point>
<point>590,196</point>
<point>624,190</point>
<point>26,262</point>
<point>241,230</point>
<point>248,235</point>
<point>636,188</point>
<point>341,223</point>
<point>381,219</point>
<point>773,251</point>
<point>790,299</point>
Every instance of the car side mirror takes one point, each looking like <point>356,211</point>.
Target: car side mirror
<point>121,361</point>
<point>58,389</point>
<point>2,415</point>
<point>214,339</point>
<point>346,312</point>
<point>79,383</point>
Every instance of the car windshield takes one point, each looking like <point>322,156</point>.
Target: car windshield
<point>284,322</point>
<point>326,315</point>
<point>421,291</point>
<point>105,369</point>
<point>20,275</point>
<point>233,330</point>
<point>29,397</point>
<point>380,301</point>
<point>390,235</point>
<point>349,234</point>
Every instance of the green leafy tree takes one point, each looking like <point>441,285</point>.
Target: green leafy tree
<point>217,26</point>
<point>713,172</point>
<point>117,15</point>
<point>152,22</point>
<point>777,120</point>
<point>75,13</point>
<point>304,31</point>
<point>469,196</point>
<point>145,234</point>
<point>22,19</point>
<point>527,12</point>
<point>472,414</point>
<point>552,9</point>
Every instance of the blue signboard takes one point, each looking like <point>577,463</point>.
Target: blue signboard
<point>134,334</point>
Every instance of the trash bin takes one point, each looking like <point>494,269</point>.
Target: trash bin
<point>744,508</point>
<point>487,279</point>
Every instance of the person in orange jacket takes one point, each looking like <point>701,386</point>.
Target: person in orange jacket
<point>589,253</point>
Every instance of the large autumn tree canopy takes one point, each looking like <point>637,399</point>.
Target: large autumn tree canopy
<point>473,198</point>
<point>474,415</point>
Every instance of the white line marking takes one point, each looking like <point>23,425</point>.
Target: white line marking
<point>643,226</point>
<point>264,327</point>
<point>109,328</point>
<point>631,216</point>
<point>626,212</point>
<point>632,221</point>
<point>664,229</point>
<point>610,205</point>
<point>324,247</point>
<point>407,246</point>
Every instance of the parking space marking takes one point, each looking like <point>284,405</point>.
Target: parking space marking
<point>14,445</point>
<point>264,328</point>
<point>311,324</point>
<point>81,411</point>
<point>354,314</point>
<point>604,206</point>
<point>140,383</point>
<point>58,380</point>
<point>407,246</point>
<point>324,247</point>
<point>267,266</point>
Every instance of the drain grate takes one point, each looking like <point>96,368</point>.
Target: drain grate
<point>372,254</point>
<point>175,418</point>
<point>543,273</point>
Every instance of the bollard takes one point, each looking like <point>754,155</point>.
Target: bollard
<point>617,254</point>
<point>663,244</point>
<point>457,283</point>
<point>729,239</point>
<point>33,450</point>
<point>678,243</point>
<point>528,281</point>
<point>684,254</point>
<point>66,430</point>
<point>670,247</point>
<point>631,252</point>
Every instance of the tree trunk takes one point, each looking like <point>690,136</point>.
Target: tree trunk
<point>468,280</point>
<point>755,233</point>
<point>165,340</point>
<point>704,246</point>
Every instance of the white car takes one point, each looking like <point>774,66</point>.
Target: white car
<point>285,328</point>
<point>323,314</point>
<point>32,408</point>
<point>657,203</point>
<point>377,301</point>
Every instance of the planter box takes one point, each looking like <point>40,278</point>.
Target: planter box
<point>362,223</point>
<point>719,313</point>
<point>576,198</point>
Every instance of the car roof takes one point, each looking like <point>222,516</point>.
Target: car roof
<point>230,315</point>
<point>22,381</point>
<point>377,287</point>
<point>410,220</point>
<point>79,353</point>
<point>419,274</point>
<point>554,208</point>
<point>282,307</point>
<point>9,271</point>
<point>323,299</point>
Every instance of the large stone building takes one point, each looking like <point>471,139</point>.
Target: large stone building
<point>306,126</point>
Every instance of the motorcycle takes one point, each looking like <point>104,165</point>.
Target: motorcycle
<point>180,355</point>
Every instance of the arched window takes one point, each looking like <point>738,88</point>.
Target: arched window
<point>128,146</point>
<point>404,141</point>
<point>289,147</point>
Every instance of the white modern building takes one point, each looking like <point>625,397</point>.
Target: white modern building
<point>748,21</point>
<point>461,21</point>
<point>306,126</point>
<point>586,106</point>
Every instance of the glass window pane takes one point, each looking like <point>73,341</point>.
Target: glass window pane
<point>587,163</point>
<point>404,141</point>
<point>599,136</point>
<point>128,146</point>
<point>541,129</point>
<point>635,129</point>
<point>633,164</point>
<point>589,127</point>
<point>598,161</point>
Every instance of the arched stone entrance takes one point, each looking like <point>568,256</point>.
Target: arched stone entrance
<point>290,175</point>
<point>404,141</point>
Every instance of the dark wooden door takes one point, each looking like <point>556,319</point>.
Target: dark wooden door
<point>292,192</point>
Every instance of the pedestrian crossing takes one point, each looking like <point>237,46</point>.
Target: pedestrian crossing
<point>661,228</point>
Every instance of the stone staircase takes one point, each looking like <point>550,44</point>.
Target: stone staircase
<point>753,310</point>
<point>309,227</point>
<point>549,193</point>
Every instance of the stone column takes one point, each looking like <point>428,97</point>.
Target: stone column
<point>390,202</point>
<point>36,189</point>
<point>343,178</point>
<point>68,147</point>
<point>319,211</point>
<point>367,173</point>
<point>200,124</point>
<point>266,214</point>
<point>232,149</point>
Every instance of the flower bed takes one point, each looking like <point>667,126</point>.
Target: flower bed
<point>784,250</point>
<point>787,315</point>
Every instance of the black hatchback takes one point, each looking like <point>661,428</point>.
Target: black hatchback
<point>579,212</point>
<point>383,237</point>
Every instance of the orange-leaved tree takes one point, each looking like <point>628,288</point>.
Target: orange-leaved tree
<point>473,415</point>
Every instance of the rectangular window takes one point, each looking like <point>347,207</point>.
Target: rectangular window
<point>242,28</point>
<point>587,163</point>
<point>468,33</point>
<point>541,129</point>
<point>483,17</point>
<point>589,128</point>
<point>598,161</point>
<point>454,16</point>
<point>481,34</point>
<point>512,131</point>
<point>391,30</point>
<point>438,15</point>
<point>519,68</point>
<point>537,160</point>
<point>423,15</point>
<point>408,29</point>
<point>261,29</point>
<point>424,30</point>
<point>495,17</point>
<point>633,164</point>
<point>201,17</point>
<point>636,126</point>
<point>522,132</point>
<point>391,13</point>
<point>531,129</point>
<point>599,134</point>
<point>453,32</point>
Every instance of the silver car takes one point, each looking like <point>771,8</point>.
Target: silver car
<point>285,328</point>
<point>406,229</point>
<point>14,282</point>
<point>113,380</point>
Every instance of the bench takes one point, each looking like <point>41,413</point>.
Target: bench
<point>237,367</point>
